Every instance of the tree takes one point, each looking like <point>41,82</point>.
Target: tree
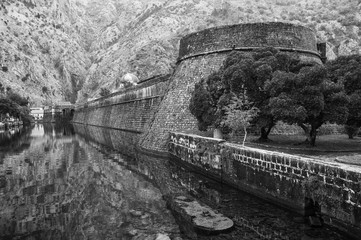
<point>16,106</point>
<point>244,73</point>
<point>15,97</point>
<point>346,70</point>
<point>8,106</point>
<point>308,98</point>
<point>201,106</point>
<point>239,115</point>
<point>104,92</point>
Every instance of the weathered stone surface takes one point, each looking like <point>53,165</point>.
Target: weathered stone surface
<point>284,36</point>
<point>127,110</point>
<point>201,216</point>
<point>282,178</point>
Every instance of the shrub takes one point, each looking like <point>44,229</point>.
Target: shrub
<point>104,92</point>
<point>44,89</point>
<point>26,77</point>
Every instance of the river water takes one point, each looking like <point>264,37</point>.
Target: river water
<point>77,182</point>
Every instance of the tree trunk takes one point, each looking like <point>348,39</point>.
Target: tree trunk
<point>313,134</point>
<point>245,135</point>
<point>351,131</point>
<point>307,132</point>
<point>265,131</point>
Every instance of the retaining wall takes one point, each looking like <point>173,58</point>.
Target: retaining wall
<point>128,110</point>
<point>284,179</point>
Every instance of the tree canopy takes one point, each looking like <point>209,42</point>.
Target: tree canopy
<point>281,87</point>
<point>16,106</point>
<point>307,98</point>
<point>241,74</point>
<point>346,70</point>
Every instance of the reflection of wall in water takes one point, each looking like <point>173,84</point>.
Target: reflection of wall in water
<point>35,187</point>
<point>46,185</point>
<point>123,141</point>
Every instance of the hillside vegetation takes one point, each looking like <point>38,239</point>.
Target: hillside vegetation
<point>70,49</point>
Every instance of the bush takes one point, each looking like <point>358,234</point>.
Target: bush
<point>26,77</point>
<point>44,89</point>
<point>104,92</point>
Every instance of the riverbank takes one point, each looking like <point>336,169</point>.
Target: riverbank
<point>302,184</point>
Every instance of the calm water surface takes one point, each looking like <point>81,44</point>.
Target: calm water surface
<point>68,182</point>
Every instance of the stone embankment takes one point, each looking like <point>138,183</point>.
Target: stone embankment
<point>299,183</point>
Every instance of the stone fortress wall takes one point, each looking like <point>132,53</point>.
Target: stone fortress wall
<point>247,37</point>
<point>202,53</point>
<point>128,110</point>
<point>158,108</point>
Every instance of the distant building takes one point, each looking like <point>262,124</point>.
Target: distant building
<point>59,112</point>
<point>37,113</point>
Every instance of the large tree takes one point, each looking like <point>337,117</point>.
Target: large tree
<point>308,98</point>
<point>16,106</point>
<point>346,70</point>
<point>241,74</point>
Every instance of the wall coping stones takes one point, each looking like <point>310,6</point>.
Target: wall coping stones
<point>201,137</point>
<point>129,94</point>
<point>310,159</point>
<point>250,36</point>
<point>284,179</point>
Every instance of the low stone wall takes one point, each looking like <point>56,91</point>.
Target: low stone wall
<point>128,110</point>
<point>287,180</point>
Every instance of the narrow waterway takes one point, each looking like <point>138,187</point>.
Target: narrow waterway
<point>77,182</point>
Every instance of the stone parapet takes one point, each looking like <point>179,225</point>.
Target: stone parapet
<point>247,37</point>
<point>287,180</point>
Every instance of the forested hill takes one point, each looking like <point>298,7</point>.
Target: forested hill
<point>54,50</point>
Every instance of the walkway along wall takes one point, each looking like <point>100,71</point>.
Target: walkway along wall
<point>284,179</point>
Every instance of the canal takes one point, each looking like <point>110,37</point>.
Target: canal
<point>77,182</point>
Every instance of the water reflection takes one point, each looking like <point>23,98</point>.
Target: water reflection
<point>254,218</point>
<point>65,182</point>
<point>61,187</point>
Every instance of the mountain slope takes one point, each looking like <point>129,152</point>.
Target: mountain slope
<point>39,50</point>
<point>143,37</point>
<point>52,50</point>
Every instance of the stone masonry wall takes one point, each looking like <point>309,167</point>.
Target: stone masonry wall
<point>284,36</point>
<point>282,178</point>
<point>173,113</point>
<point>155,112</point>
<point>128,110</point>
<point>202,53</point>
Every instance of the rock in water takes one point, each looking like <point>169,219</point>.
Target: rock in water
<point>201,216</point>
<point>161,236</point>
